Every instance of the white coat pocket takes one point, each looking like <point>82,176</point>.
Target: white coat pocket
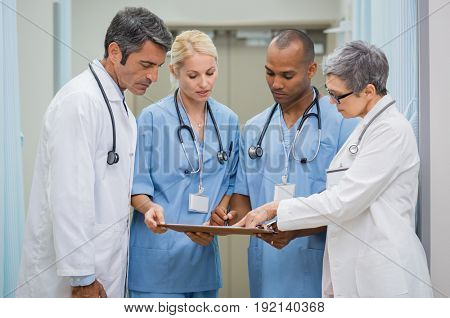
<point>111,243</point>
<point>334,176</point>
<point>380,274</point>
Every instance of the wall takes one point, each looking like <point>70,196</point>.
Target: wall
<point>35,43</point>
<point>87,14</point>
<point>438,167</point>
<point>87,40</point>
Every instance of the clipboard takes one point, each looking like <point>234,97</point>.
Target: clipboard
<point>216,230</point>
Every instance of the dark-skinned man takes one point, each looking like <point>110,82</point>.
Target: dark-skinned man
<point>284,153</point>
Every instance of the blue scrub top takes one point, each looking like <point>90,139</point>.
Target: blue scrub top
<point>295,270</point>
<point>171,262</point>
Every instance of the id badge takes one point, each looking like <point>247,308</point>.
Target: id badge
<point>334,176</point>
<point>284,191</point>
<point>198,203</point>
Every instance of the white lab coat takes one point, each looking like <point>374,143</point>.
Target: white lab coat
<point>371,249</point>
<point>79,205</point>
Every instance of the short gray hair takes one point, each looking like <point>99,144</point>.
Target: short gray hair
<point>131,27</point>
<point>358,64</point>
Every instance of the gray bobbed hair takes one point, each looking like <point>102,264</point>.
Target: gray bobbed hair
<point>358,64</point>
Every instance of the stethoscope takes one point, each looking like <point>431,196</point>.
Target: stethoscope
<point>354,148</point>
<point>113,156</point>
<point>222,156</point>
<point>255,152</point>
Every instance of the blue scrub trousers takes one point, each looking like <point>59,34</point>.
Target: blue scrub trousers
<point>202,294</point>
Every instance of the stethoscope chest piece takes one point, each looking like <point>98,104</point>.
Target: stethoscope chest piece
<point>255,152</point>
<point>113,157</point>
<point>353,149</point>
<point>222,157</point>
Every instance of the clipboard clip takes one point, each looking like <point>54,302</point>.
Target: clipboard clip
<point>268,226</point>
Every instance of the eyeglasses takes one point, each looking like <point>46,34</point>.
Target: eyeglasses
<point>338,98</point>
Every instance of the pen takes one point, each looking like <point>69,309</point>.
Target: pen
<point>230,149</point>
<point>226,222</point>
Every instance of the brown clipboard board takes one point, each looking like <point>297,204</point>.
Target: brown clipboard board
<point>216,230</point>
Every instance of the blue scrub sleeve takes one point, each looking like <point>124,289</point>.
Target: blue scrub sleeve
<point>142,180</point>
<point>234,158</point>
<point>241,185</point>
<point>81,280</point>
<point>347,127</point>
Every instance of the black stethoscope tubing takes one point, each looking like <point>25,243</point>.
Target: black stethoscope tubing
<point>113,156</point>
<point>255,152</point>
<point>222,156</point>
<point>354,148</point>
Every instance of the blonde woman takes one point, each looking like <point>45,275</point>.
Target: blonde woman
<point>185,168</point>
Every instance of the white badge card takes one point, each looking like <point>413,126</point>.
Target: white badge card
<point>198,203</point>
<point>334,176</point>
<point>284,191</point>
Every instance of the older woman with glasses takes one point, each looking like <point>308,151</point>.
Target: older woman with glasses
<point>369,204</point>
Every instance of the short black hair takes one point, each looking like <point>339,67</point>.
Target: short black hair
<point>131,27</point>
<point>286,37</point>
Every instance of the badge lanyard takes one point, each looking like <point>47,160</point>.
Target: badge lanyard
<point>284,190</point>
<point>197,201</point>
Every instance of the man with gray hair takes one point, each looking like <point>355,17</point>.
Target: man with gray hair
<point>76,239</point>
